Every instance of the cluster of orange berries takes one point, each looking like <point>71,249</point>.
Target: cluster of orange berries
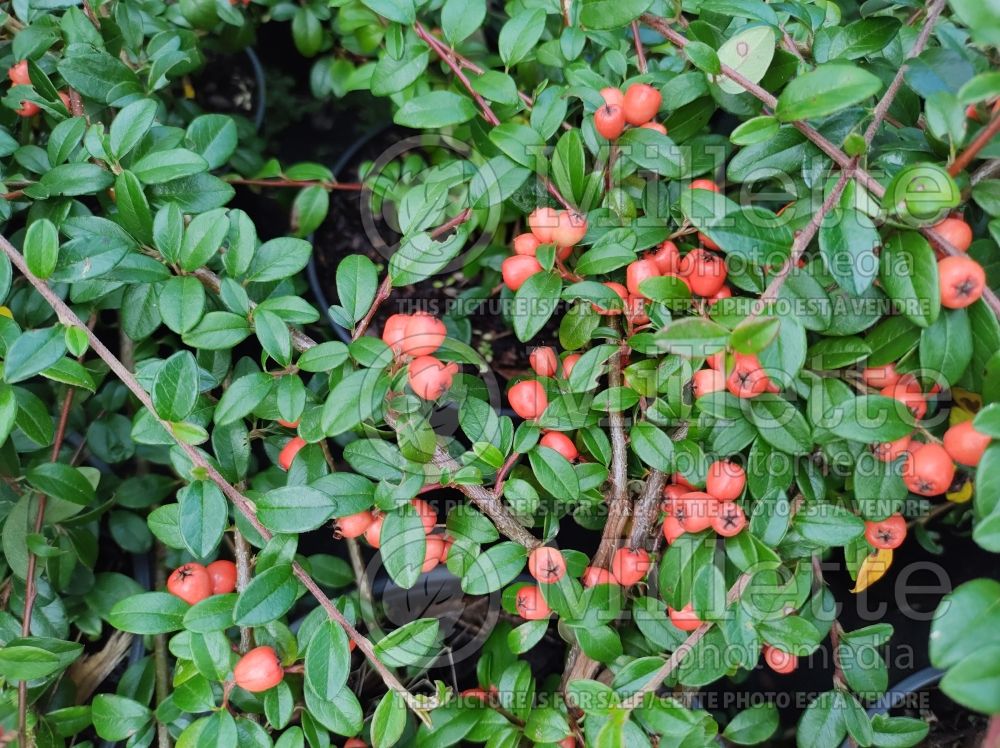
<point>18,75</point>
<point>418,336</point>
<point>928,468</point>
<point>961,279</point>
<point>746,377</point>
<point>689,510</point>
<point>369,524</point>
<point>563,228</point>
<point>193,582</point>
<point>636,107</point>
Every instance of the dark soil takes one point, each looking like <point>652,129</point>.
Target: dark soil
<point>227,85</point>
<point>951,725</point>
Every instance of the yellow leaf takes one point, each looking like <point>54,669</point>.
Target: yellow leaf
<point>962,495</point>
<point>5,312</point>
<point>873,568</point>
<point>967,404</point>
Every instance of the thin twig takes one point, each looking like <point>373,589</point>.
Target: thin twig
<point>987,171</point>
<point>983,139</point>
<point>450,61</point>
<point>384,289</point>
<point>640,53</point>
<point>241,502</point>
<point>647,509</point>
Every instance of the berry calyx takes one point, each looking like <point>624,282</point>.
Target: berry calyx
<point>423,335</point>
<point>747,379</point>
<point>222,574</point>
<point>725,480</point>
<point>190,582</point>
<point>929,470</point>
<point>887,533</point>
<point>517,269</point>
<point>629,566</point>
<point>546,565</point>
<point>531,605</point>
<point>780,661</point>
<point>964,444</point>
<point>729,520</point>
<point>609,121</point>
<point>430,378</point>
<point>962,281</point>
<point>287,454</point>
<point>258,670</point>
<point>352,525</point>
<point>641,103</point>
<point>560,443</point>
<point>544,361</point>
<point>528,399</point>
<point>685,618</point>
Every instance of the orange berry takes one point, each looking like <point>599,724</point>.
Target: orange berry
<point>222,574</point>
<point>288,452</point>
<point>568,363</point>
<point>544,361</point>
<point>685,618</point>
<point>258,670</point>
<point>528,399</point>
<point>609,121</point>
<point>667,258</point>
<point>780,661</point>
<point>432,553</point>
<point>654,126</point>
<point>962,280</point>
<point>928,471</point>
<point>18,74</point>
<point>887,533</point>
<point>531,605</point>
<point>526,244</point>
<point>726,480</point>
<point>28,109</point>
<point>394,331</point>
<point>705,272</point>
<point>695,510</point>
<point>594,575</point>
<point>423,335</point>
<point>427,513</point>
<point>639,271</point>
<point>542,222</point>
<point>352,525</point>
<point>430,378</point>
<point>561,443</point>
<point>956,232</point>
<point>190,582</point>
<point>880,376</point>
<point>641,103</point>
<point>570,228</point>
<point>546,565</point>
<point>704,184</point>
<point>964,444</point>
<point>517,269</point>
<point>730,519</point>
<point>889,451</point>
<point>374,532</point>
<point>612,96</point>
<point>629,566</point>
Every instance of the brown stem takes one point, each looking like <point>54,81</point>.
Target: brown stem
<point>987,171</point>
<point>30,591</point>
<point>381,295</point>
<point>790,46</point>
<point>450,61</point>
<point>647,509</point>
<point>241,502</point>
<point>558,196</point>
<point>734,594</point>
<point>502,473</point>
<point>244,566</point>
<point>982,140</point>
<point>281,182</point>
<point>835,629</point>
<point>640,53</point>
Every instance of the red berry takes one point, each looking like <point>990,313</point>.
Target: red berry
<point>655,126</point>
<point>28,109</point>
<point>675,490</point>
<point>428,515</point>
<point>609,121</point>
<point>288,452</point>
<point>717,361</point>
<point>570,229</point>
<point>956,232</point>
<point>725,480</point>
<point>568,742</point>
<point>685,618</point>
<point>730,519</point>
<point>64,98</point>
<point>915,402</point>
<point>432,553</point>
<point>18,74</point>
<point>704,184</point>
<point>747,378</point>
<point>544,361</point>
<point>705,381</point>
<point>288,424</point>
<point>889,451</point>
<point>964,444</point>
<point>528,399</point>
<point>353,525</point>
<point>723,293</point>
<point>886,533</point>
<point>445,548</point>
<point>542,223</point>
<point>639,271</point>
<point>517,269</point>
<point>561,443</point>
<point>780,661</point>
<point>222,574</point>
<point>635,310</point>
<point>667,258</point>
<point>672,529</point>
<point>374,532</point>
<point>704,271</point>
<point>568,363</point>
<point>880,376</point>
<point>351,742</point>
<point>629,566</point>
<point>430,378</point>
<point>546,565</point>
<point>695,510</point>
<point>594,575</point>
<point>620,291</point>
<point>641,103</point>
<point>190,582</point>
<point>394,331</point>
<point>479,694</point>
<point>526,244</point>
<point>612,96</point>
<point>531,605</point>
<point>928,471</point>
<point>258,670</point>
<point>962,281</point>
<point>423,335</point>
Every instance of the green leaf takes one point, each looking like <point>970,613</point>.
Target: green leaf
<point>756,130</point>
<point>290,509</point>
<point>182,303</point>
<point>909,275</point>
<point>41,247</point>
<point>118,718</point>
<point>870,419</point>
<point>213,137</point>
<point>752,233</point>
<point>204,516</point>
<point>357,281</point>
<point>975,681</point>
<point>753,725</point>
<point>328,660</point>
<point>461,18</point>
<point>652,445</point>
<point>554,473</point>
<point>411,644</point>
<point>278,259</point>
<point>62,482</point>
<point>823,722</point>
<point>33,351</point>
<point>825,90</point>
<point>165,166</point>
<point>388,721</point>
<point>435,109</point>
<point>748,52</point>
<point>847,242</point>
<point>129,125</point>
<point>694,337</point>
<point>610,14</point>
<point>781,424</point>
<point>202,239</point>
<point>242,397</point>
<point>497,566</point>
<point>946,346</point>
<point>898,732</point>
<point>218,331</point>
<point>33,657</point>
<point>827,524</point>
<point>519,35</point>
<point>269,596</point>
<point>967,621</point>
<point>175,387</point>
<point>403,545</point>
<point>149,613</point>
<point>534,302</point>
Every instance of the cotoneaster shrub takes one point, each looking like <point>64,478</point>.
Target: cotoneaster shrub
<point>749,245</point>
